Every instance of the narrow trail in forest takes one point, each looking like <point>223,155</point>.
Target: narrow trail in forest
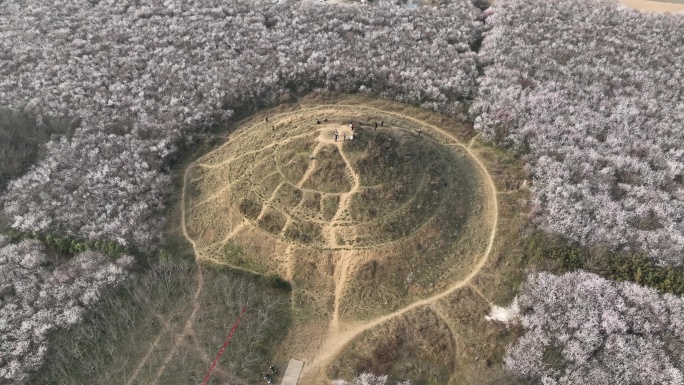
<point>452,331</point>
<point>490,303</point>
<point>177,337</point>
<point>472,140</point>
<point>194,344</point>
<point>180,336</point>
<point>165,330</point>
<point>146,356</point>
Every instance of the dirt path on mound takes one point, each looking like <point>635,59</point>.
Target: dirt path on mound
<point>340,334</point>
<point>312,166</point>
<point>346,259</point>
<point>338,338</point>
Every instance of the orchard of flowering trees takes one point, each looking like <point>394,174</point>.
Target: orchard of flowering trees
<point>588,92</point>
<point>39,294</point>
<point>368,379</point>
<point>146,76</point>
<point>583,329</point>
<point>591,93</point>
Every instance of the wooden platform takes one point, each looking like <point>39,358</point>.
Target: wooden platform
<point>291,375</point>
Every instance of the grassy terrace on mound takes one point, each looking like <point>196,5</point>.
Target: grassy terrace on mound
<point>449,341</point>
<point>391,215</point>
<point>361,227</point>
<point>138,334</point>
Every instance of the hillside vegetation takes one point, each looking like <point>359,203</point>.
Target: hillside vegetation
<point>135,334</point>
<point>146,81</point>
<point>581,328</point>
<point>406,214</point>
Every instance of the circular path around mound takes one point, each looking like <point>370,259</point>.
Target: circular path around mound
<point>366,227</point>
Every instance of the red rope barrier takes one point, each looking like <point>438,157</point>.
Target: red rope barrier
<point>244,309</point>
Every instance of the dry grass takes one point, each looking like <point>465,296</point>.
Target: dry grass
<point>386,223</point>
<point>387,240</point>
<point>135,336</point>
<point>364,231</point>
<point>416,345</point>
<point>476,347</point>
<point>414,225</point>
<point>479,344</point>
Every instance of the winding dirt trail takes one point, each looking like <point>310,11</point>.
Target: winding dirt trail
<point>346,259</point>
<point>340,334</point>
<point>148,353</point>
<point>177,337</point>
<point>183,334</point>
<point>337,339</point>
<point>452,332</point>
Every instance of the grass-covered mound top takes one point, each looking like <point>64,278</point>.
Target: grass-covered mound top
<point>360,225</point>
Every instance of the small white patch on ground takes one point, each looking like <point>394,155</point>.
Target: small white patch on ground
<point>505,314</point>
<point>294,368</point>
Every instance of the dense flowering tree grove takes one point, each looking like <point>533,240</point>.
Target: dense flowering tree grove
<point>583,329</point>
<point>100,186</point>
<point>146,78</point>
<point>368,379</point>
<point>144,75</point>
<point>39,294</point>
<point>592,93</point>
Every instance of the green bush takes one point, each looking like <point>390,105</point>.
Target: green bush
<point>68,247</point>
<point>558,255</point>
